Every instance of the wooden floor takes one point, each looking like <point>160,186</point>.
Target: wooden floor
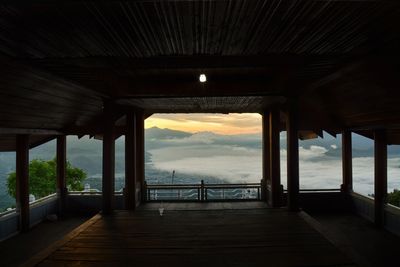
<point>228,237</point>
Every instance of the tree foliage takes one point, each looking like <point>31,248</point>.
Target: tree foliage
<point>394,198</point>
<point>42,178</point>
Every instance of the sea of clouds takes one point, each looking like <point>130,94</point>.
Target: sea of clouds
<point>213,155</point>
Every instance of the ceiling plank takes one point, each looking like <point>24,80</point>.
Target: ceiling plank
<point>188,62</point>
<point>9,131</point>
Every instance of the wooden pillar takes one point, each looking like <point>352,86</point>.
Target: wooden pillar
<point>108,160</point>
<point>139,130</point>
<point>130,174</point>
<point>61,172</point>
<point>380,186</point>
<point>275,158</point>
<point>266,181</point>
<point>347,162</point>
<point>292,159</point>
<point>22,181</point>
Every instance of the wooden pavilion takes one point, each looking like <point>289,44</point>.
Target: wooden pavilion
<point>101,67</point>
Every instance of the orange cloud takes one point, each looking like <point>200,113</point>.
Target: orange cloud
<point>228,124</point>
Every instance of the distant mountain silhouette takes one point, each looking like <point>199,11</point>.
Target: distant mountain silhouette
<point>158,133</point>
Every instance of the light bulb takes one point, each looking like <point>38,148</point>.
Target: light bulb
<point>202,78</point>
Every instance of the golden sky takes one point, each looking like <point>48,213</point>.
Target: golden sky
<point>228,124</point>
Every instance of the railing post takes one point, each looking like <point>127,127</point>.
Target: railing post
<point>202,190</point>
<point>61,173</point>
<point>139,152</point>
<point>22,181</point>
<point>263,189</point>
<point>347,165</point>
<point>108,182</point>
<point>274,183</point>
<point>130,159</point>
<point>146,191</point>
<point>292,136</point>
<point>380,180</point>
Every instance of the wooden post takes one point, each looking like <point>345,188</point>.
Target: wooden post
<point>108,160</point>
<point>275,158</point>
<point>292,159</point>
<point>266,150</point>
<point>61,172</point>
<point>380,185</point>
<point>22,180</point>
<point>202,193</point>
<point>139,130</point>
<point>130,174</point>
<point>347,165</point>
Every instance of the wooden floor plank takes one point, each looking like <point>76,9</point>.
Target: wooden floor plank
<point>252,237</point>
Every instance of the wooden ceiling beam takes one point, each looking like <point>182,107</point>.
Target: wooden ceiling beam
<point>55,2</point>
<point>91,131</point>
<point>23,66</point>
<point>29,131</point>
<point>188,62</point>
<point>42,141</point>
<point>220,88</point>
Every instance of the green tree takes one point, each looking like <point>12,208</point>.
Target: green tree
<point>42,178</point>
<point>394,198</point>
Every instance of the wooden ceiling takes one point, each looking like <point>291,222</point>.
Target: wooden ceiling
<point>62,59</point>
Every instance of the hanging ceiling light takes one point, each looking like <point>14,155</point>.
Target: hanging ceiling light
<point>202,78</point>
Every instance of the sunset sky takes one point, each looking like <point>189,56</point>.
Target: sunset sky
<point>228,124</point>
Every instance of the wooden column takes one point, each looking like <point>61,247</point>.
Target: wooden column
<point>347,162</point>
<point>108,160</point>
<point>22,181</point>
<point>292,159</point>
<point>275,158</point>
<point>380,186</point>
<point>130,174</point>
<point>139,130</point>
<point>61,172</point>
<point>266,183</point>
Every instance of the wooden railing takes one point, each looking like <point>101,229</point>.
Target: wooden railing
<point>319,190</point>
<point>202,192</point>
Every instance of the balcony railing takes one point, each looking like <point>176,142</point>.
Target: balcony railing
<point>202,192</point>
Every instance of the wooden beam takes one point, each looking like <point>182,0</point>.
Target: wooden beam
<point>54,2</point>
<point>22,181</point>
<point>108,160</point>
<point>292,158</point>
<point>266,157</point>
<point>29,131</point>
<point>275,158</point>
<point>186,62</point>
<point>380,185</point>
<point>130,158</point>
<point>307,135</point>
<point>28,66</point>
<point>139,134</point>
<point>43,140</point>
<point>61,172</point>
<point>176,87</point>
<point>347,162</point>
